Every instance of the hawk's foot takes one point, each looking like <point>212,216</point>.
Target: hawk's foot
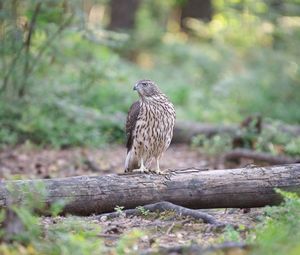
<point>141,170</point>
<point>159,171</point>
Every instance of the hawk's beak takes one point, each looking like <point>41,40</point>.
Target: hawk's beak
<point>135,87</point>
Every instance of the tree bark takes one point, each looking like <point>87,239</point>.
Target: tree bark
<point>123,13</point>
<point>241,188</point>
<point>196,9</point>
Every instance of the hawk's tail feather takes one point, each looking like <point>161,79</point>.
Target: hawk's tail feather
<point>131,162</point>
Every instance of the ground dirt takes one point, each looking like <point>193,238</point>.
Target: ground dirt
<point>160,230</point>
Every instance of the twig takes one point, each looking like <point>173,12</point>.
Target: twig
<point>189,169</point>
<point>108,236</point>
<point>170,228</point>
<point>18,53</point>
<point>27,68</point>
<point>165,206</point>
<point>27,44</point>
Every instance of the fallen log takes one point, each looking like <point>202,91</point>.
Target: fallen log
<point>241,188</point>
<point>184,131</point>
<point>237,154</point>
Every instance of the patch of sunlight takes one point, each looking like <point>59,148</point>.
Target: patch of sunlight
<point>145,60</point>
<point>218,23</point>
<point>289,22</point>
<point>170,38</point>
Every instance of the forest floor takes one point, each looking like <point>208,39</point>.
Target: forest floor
<point>159,230</point>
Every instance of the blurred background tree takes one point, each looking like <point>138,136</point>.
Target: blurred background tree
<point>122,14</point>
<point>67,65</point>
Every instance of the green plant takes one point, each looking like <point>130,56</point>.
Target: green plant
<point>293,147</point>
<point>128,243</point>
<point>270,139</point>
<point>119,209</point>
<point>143,211</point>
<point>230,235</point>
<point>277,142</point>
<point>214,145</point>
<point>71,236</point>
<point>278,232</point>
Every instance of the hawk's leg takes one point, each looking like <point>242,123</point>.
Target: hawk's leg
<point>157,170</point>
<point>142,168</point>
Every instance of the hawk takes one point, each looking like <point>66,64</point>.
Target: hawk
<point>149,127</point>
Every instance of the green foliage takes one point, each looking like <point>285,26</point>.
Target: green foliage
<point>119,209</point>
<point>244,61</point>
<point>69,235</point>
<point>293,147</point>
<point>215,145</point>
<point>72,236</point>
<point>277,142</point>
<point>231,235</point>
<point>143,211</point>
<point>271,140</point>
<point>45,124</point>
<point>128,243</point>
<point>278,233</point>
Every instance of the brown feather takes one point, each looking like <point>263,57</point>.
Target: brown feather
<point>131,122</point>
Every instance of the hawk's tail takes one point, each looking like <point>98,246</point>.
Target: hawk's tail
<point>131,162</point>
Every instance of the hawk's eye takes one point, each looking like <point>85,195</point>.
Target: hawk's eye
<point>144,84</point>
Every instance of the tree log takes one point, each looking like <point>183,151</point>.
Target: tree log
<point>242,188</point>
<point>184,131</point>
<point>237,154</point>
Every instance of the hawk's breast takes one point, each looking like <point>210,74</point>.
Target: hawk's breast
<point>154,128</point>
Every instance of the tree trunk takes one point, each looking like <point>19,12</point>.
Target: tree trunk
<point>122,15</point>
<point>196,9</point>
<point>241,188</point>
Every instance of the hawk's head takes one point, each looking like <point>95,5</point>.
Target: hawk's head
<point>146,88</point>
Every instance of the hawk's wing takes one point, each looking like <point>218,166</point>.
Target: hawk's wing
<point>130,123</point>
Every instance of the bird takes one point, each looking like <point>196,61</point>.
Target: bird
<point>149,127</point>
